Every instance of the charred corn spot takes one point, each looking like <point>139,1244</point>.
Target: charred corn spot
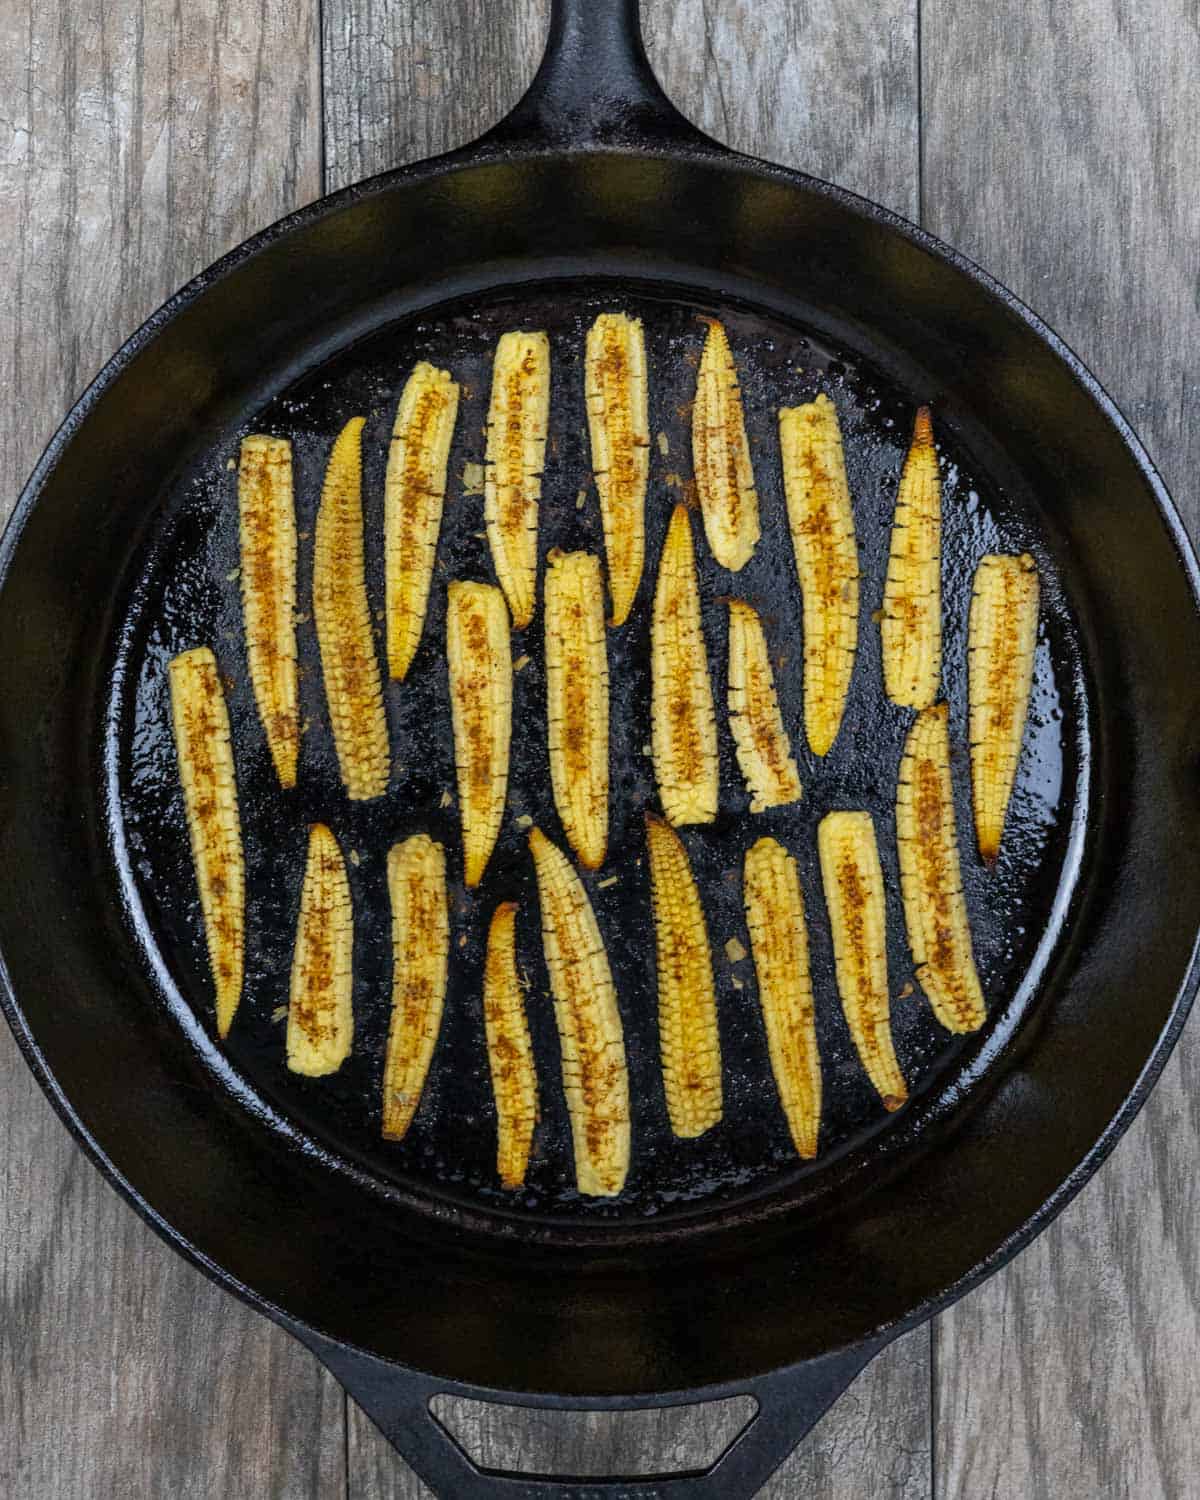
<point>779,943</point>
<point>590,1034</point>
<point>353,688</point>
<point>320,1029</point>
<point>683,722</point>
<point>853,881</point>
<point>416,875</point>
<point>935,909</point>
<point>619,426</point>
<point>911,627</point>
<point>687,1002</point>
<point>577,701</point>
<point>822,526</point>
<point>414,493</point>
<point>763,752</point>
<point>480,660</point>
<point>721,456</point>
<point>205,753</point>
<point>516,450</point>
<point>267,529</point>
<point>510,1051</point>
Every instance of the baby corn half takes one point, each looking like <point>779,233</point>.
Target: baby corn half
<point>721,456</point>
<point>911,626</point>
<point>683,730</point>
<point>853,881</point>
<point>763,751</point>
<point>595,1079</point>
<point>353,688</point>
<point>510,1052</point>
<point>267,526</point>
<point>320,1028</point>
<point>416,873</point>
<point>779,944</point>
<point>577,701</point>
<point>515,456</point>
<point>934,908</point>
<point>480,658</point>
<point>619,424</point>
<point>201,724</point>
<point>414,493</point>
<point>1001,640</point>
<point>687,1002</point>
<point>822,526</point>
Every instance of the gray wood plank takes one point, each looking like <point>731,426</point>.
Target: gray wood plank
<point>1060,145</point>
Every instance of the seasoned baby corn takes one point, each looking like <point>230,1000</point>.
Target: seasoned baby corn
<point>414,492</point>
<point>589,1024</point>
<point>267,525</point>
<point>202,744</point>
<point>619,424</point>
<point>853,881</point>
<point>763,751</point>
<point>577,701</point>
<point>911,626</point>
<point>320,1027</point>
<point>1001,640</point>
<point>353,688</point>
<point>687,1003</point>
<point>779,944</point>
<point>822,526</point>
<point>510,1052</point>
<point>683,723</point>
<point>934,907</point>
<point>516,451</point>
<point>721,456</point>
<point>480,658</point>
<point>416,873</point>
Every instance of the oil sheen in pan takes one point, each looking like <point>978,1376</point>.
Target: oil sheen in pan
<point>188,593</point>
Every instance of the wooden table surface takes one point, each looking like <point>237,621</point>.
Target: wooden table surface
<point>1056,142</point>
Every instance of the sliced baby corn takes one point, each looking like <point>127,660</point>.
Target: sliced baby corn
<point>510,1052</point>
<point>721,456</point>
<point>201,724</point>
<point>320,1028</point>
<point>353,688</point>
<point>480,657</point>
<point>619,424</point>
<point>911,626</point>
<point>416,875</point>
<point>683,728</point>
<point>934,908</point>
<point>687,1002</point>
<point>414,492</point>
<point>267,525</point>
<point>779,944</point>
<point>853,881</point>
<point>577,701</point>
<point>589,1024</point>
<point>516,451</point>
<point>1001,639</point>
<point>822,526</point>
<point>763,751</point>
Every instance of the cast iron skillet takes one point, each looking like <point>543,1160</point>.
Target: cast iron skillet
<point>727,1268</point>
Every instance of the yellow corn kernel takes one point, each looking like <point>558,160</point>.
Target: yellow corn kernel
<point>911,626</point>
<point>416,875</point>
<point>480,659</point>
<point>721,456</point>
<point>619,425</point>
<point>763,751</point>
<point>510,1051</point>
<point>516,450</point>
<point>320,1028</point>
<point>577,701</point>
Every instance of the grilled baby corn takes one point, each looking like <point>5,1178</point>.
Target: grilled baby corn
<point>687,1003</point>
<point>516,450</point>
<point>320,1028</point>
<point>822,526</point>
<point>853,883</point>
<point>911,626</point>
<point>934,908</point>
<point>201,724</point>
<point>763,751</point>
<point>414,492</point>
<point>721,456</point>
<point>619,424</point>
<point>589,1024</point>
<point>480,658</point>
<point>510,1052</point>
<point>577,701</point>
<point>420,944</point>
